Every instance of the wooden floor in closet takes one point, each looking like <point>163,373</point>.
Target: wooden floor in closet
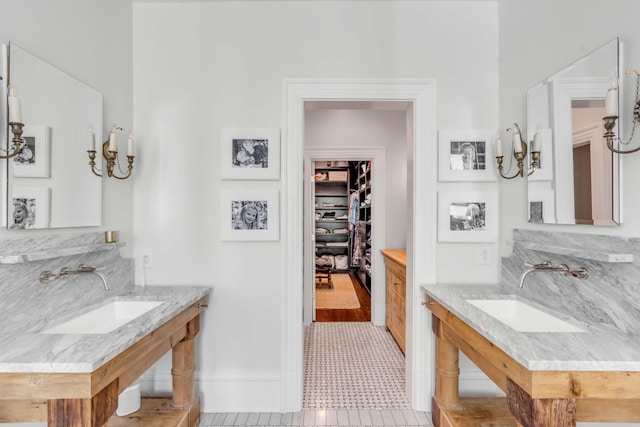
<point>362,314</point>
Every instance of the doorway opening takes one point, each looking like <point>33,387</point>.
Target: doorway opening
<point>357,198</point>
<point>419,216</point>
<point>342,240</point>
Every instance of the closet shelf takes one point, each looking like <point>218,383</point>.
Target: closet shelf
<point>17,258</point>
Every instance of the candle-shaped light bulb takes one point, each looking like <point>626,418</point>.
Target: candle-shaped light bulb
<point>517,142</point>
<point>611,101</point>
<point>537,141</point>
<point>113,140</point>
<point>498,146</point>
<point>15,110</point>
<point>92,139</point>
<point>130,148</point>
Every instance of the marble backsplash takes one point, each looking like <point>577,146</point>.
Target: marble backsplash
<point>609,297</point>
<point>23,259</point>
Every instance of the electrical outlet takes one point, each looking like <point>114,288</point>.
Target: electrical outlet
<point>146,261</point>
<point>484,255</point>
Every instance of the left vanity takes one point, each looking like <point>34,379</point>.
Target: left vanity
<point>73,376</point>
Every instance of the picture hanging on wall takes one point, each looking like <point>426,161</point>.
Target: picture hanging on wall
<point>541,206</point>
<point>33,160</point>
<point>249,215</point>
<point>466,155</point>
<point>467,216</point>
<point>30,208</point>
<point>250,153</point>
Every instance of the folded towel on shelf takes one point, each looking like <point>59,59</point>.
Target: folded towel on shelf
<point>320,230</point>
<point>340,231</point>
<point>338,244</point>
<point>325,261</point>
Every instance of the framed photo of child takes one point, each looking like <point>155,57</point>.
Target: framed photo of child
<point>249,215</point>
<point>250,153</point>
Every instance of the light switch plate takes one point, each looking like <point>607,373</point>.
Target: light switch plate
<point>484,255</point>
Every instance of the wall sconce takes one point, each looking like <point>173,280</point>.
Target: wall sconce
<point>519,150</point>
<point>15,122</point>
<point>110,153</point>
<point>611,115</point>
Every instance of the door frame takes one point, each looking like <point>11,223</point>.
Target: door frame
<point>377,157</point>
<point>421,230</point>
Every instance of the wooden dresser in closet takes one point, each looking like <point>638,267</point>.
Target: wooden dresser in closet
<point>396,265</point>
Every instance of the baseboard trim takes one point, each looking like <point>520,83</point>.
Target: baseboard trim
<point>224,391</point>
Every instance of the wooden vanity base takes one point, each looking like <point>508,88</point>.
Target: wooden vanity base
<point>476,411</point>
<point>534,398</point>
<point>156,412</point>
<point>91,399</point>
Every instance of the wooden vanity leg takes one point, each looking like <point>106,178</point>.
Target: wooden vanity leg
<point>539,412</point>
<point>182,373</point>
<point>92,412</point>
<point>447,374</point>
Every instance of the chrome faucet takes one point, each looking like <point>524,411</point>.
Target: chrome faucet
<point>47,276</point>
<point>580,273</point>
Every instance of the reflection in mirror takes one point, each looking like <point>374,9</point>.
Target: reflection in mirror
<point>578,179</point>
<point>49,184</point>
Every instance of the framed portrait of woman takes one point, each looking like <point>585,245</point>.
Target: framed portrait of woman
<point>466,155</point>
<point>250,153</point>
<point>249,215</point>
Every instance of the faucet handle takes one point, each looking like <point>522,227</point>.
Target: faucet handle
<point>544,264</point>
<point>46,276</point>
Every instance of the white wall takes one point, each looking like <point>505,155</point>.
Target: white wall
<point>370,128</point>
<point>201,66</point>
<point>90,40</point>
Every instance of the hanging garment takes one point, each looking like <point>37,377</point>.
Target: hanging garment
<point>353,210</point>
<point>356,250</point>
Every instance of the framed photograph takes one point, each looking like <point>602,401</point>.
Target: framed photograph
<point>541,206</point>
<point>466,155</point>
<point>544,170</point>
<point>249,215</point>
<point>468,216</point>
<point>250,153</point>
<point>33,160</point>
<point>30,207</point>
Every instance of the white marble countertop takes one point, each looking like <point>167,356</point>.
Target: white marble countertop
<point>23,349</point>
<point>596,349</point>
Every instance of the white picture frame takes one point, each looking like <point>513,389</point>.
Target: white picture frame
<point>249,215</point>
<point>30,208</point>
<point>544,171</point>
<point>250,153</point>
<point>466,155</point>
<point>541,206</point>
<point>467,216</point>
<point>34,159</point>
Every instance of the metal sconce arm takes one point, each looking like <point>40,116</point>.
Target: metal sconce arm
<point>112,159</point>
<point>610,121</point>
<point>519,156</point>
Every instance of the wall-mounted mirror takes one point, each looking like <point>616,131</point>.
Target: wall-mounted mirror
<point>578,179</point>
<point>50,183</point>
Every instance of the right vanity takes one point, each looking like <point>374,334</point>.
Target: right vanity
<point>558,335</point>
<point>563,348</point>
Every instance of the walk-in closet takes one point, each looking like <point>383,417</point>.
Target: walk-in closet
<point>342,233</point>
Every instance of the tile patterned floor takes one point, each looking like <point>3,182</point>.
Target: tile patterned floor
<point>352,365</point>
<point>354,376</point>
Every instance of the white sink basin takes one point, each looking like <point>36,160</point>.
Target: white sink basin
<point>104,319</point>
<point>522,317</point>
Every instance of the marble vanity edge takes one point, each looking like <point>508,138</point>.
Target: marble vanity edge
<point>33,352</point>
<point>579,253</point>
<point>564,351</point>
